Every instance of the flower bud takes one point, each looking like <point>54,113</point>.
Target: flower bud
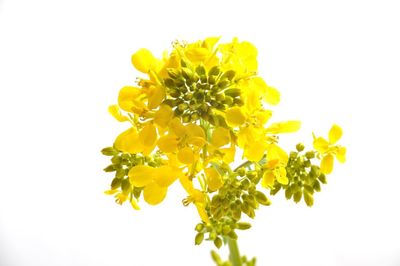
<point>230,74</point>
<point>243,226</point>
<point>199,238</point>
<point>232,92</point>
<point>300,147</point>
<point>199,227</point>
<point>109,151</point>
<point>218,244</point>
<point>214,71</point>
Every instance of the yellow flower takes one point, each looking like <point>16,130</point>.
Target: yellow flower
<point>144,61</point>
<point>185,140</point>
<point>132,99</point>
<point>327,150</point>
<point>133,141</point>
<point>154,180</point>
<point>214,179</point>
<point>239,56</point>
<point>275,167</point>
<point>197,197</point>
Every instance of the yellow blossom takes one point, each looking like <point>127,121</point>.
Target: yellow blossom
<point>327,150</point>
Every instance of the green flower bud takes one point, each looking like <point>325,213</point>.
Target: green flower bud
<point>187,74</point>
<point>220,97</point>
<point>116,183</point>
<point>223,84</point>
<point>174,93</point>
<point>212,235</point>
<point>199,238</point>
<point>214,71</point>
<point>310,154</point>
<point>173,73</point>
<point>308,198</point>
<point>317,186</point>
<point>297,196</point>
<point>169,83</point>
<point>241,172</point>
<point>186,118</point>
<point>125,185</point>
<point>212,80</point>
<point>233,235</point>
<point>226,229</point>
<point>109,151</point>
<point>238,101</point>
<point>218,244</point>
<point>300,147</point>
<point>262,199</point>
<point>236,214</point>
<point>230,74</point>
<point>216,258</point>
<point>199,227</point>
<point>110,168</point>
<point>233,92</point>
<point>200,70</point>
<point>182,107</point>
<point>322,178</point>
<point>179,82</point>
<point>243,226</point>
<point>169,102</point>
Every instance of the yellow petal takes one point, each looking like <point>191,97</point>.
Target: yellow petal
<point>280,175</point>
<point>128,141</point>
<point>148,135</point>
<point>134,204</point>
<point>272,96</point>
<point>321,145</point>
<point>163,116</point>
<point>284,127</point>
<point>154,194</point>
<point>116,113</point>
<point>210,42</point>
<point>220,137</point>
<point>202,212</point>
<point>254,151</point>
<point>341,154</point>
<point>263,116</point>
<point>195,131</point>
<point>197,54</point>
<point>141,175</point>
<point>228,154</point>
<point>168,143</point>
<point>327,164</point>
<point>274,152</point>
<point>214,179</point>
<point>268,179</point>
<point>335,134</point>
<point>155,96</point>
<point>185,155</point>
<point>177,128</point>
<point>143,60</point>
<point>235,117</point>
<point>131,99</point>
<point>196,141</point>
<point>166,175</point>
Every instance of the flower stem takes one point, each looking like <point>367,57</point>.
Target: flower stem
<point>234,254</point>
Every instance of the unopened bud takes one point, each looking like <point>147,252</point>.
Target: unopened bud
<point>243,226</point>
<point>199,238</point>
<point>218,244</point>
<point>262,199</point>
<point>300,147</point>
<point>214,71</point>
<point>233,92</point>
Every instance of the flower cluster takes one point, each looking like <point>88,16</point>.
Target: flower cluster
<point>196,110</point>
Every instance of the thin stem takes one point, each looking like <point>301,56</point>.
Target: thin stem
<point>234,254</point>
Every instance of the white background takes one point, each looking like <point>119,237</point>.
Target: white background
<point>63,62</point>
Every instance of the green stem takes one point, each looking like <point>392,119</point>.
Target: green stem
<point>234,255</point>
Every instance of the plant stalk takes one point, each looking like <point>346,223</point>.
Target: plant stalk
<point>234,254</point>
